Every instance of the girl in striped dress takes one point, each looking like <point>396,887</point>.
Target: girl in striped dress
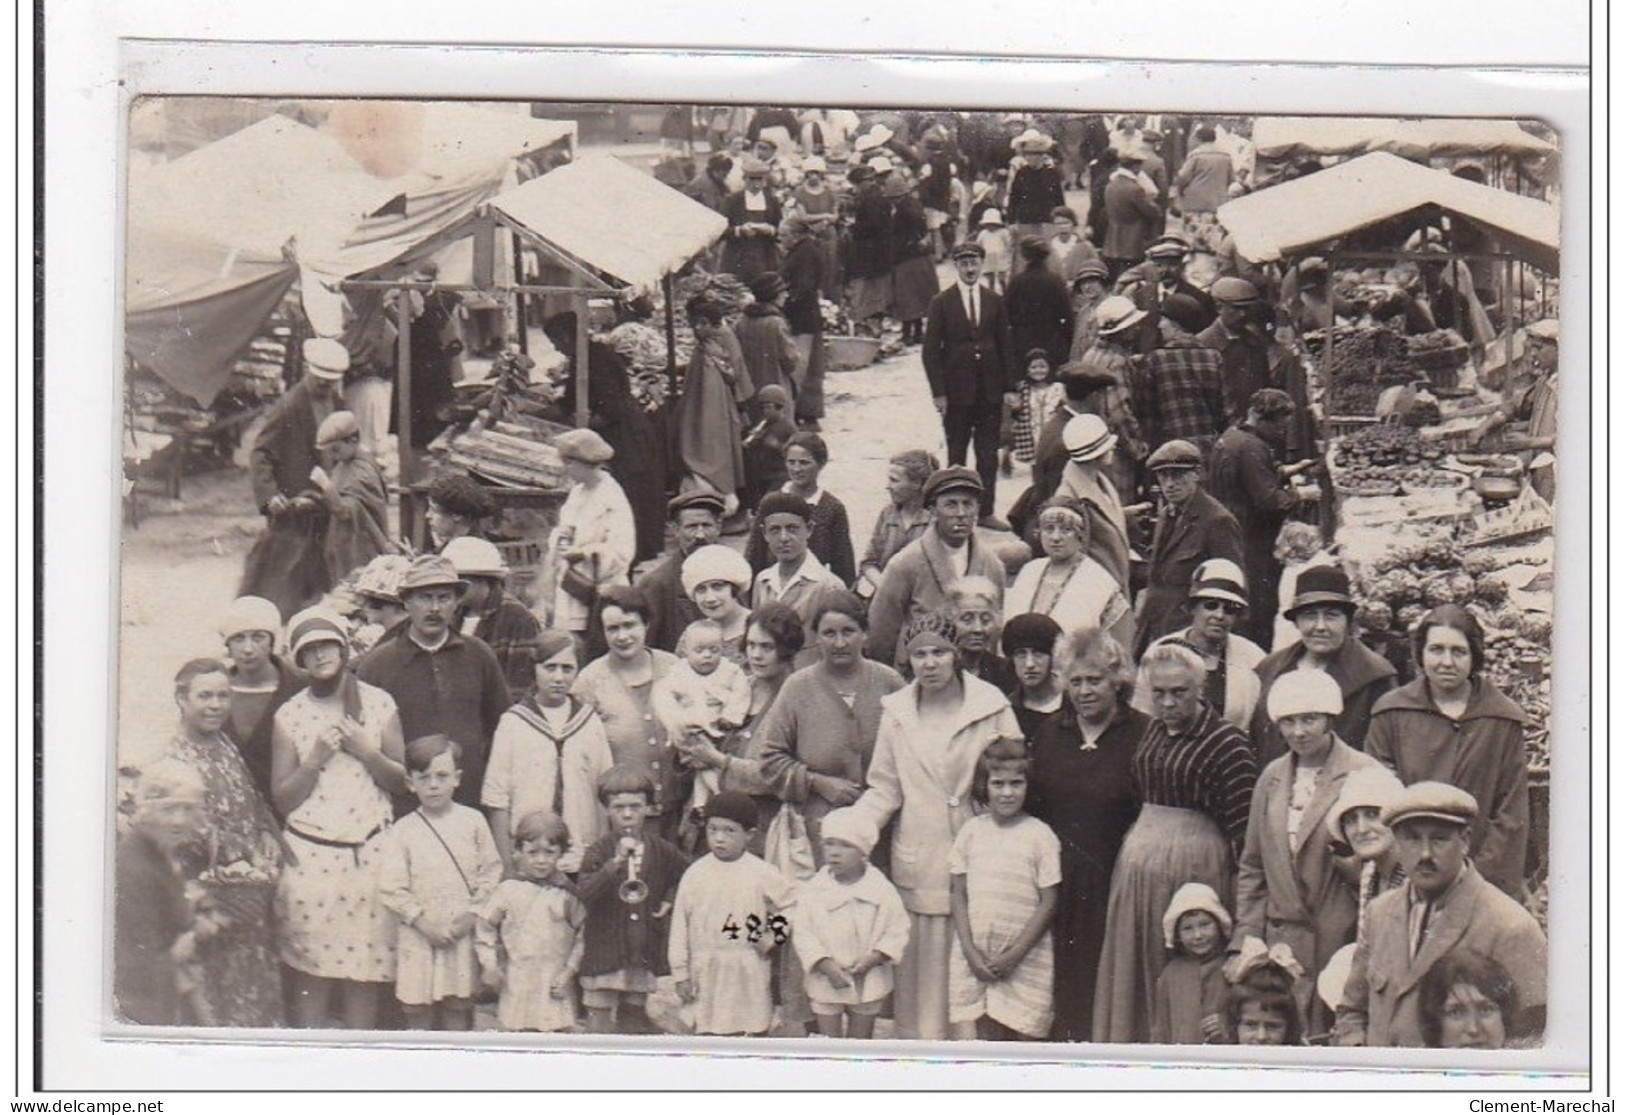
<point>1005,872</point>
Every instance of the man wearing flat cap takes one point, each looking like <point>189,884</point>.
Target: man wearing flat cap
<point>1133,218</point>
<point>696,520</point>
<point>444,682</point>
<point>1444,907</point>
<point>287,565</point>
<point>970,361</point>
<point>1159,278</point>
<point>1253,359</point>
<point>919,578</point>
<point>1246,475</point>
<point>1191,528</point>
<point>1178,387</point>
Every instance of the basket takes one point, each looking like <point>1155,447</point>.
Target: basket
<point>848,354</point>
<point>243,901</point>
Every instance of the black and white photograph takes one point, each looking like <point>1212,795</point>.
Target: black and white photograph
<point>749,571</point>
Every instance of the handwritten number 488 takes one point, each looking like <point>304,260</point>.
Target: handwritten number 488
<point>754,927</point>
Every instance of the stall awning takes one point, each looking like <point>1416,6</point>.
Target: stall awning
<point>1307,212</point>
<point>613,219</point>
<point>192,305</point>
<point>1281,137</point>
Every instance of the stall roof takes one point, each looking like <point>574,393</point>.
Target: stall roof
<point>460,136</point>
<point>1333,203</point>
<point>614,218</point>
<point>1279,137</point>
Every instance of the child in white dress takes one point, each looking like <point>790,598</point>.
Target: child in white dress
<point>439,867</point>
<point>536,921</point>
<point>728,918</point>
<point>850,928</point>
<point>1005,871</point>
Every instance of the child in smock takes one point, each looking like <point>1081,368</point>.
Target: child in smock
<point>1190,1002</point>
<point>850,928</point>
<point>528,939</point>
<point>728,920</point>
<point>439,867</point>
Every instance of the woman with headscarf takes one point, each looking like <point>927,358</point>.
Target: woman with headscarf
<point>1067,584</point>
<point>914,275</point>
<point>637,436</point>
<point>932,732</point>
<point>709,431</point>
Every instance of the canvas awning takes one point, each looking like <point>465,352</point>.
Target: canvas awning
<point>605,219</point>
<point>1330,204</point>
<point>1282,137</point>
<point>192,305</point>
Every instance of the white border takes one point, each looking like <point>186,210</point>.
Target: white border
<point>81,318</point>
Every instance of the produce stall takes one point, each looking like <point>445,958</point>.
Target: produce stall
<point>1423,511</point>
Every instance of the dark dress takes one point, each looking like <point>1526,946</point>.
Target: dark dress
<point>436,342</point>
<point>747,256</point>
<point>914,276</point>
<point>254,741</point>
<point>1040,311</point>
<point>288,564</point>
<point>150,911</point>
<point>1089,797</point>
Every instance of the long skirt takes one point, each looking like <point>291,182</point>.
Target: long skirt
<point>868,296</point>
<point>287,565</point>
<point>810,375</point>
<point>1165,849</point>
<point>914,284</point>
<point>922,978</point>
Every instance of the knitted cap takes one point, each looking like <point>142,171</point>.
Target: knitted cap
<point>715,563</point>
<point>1193,896</point>
<point>732,805</point>
<point>250,613</point>
<point>1300,692</point>
<point>851,826</point>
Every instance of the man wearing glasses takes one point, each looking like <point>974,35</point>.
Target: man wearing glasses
<point>1192,527</point>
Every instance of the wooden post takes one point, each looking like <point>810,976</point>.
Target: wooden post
<point>519,295</point>
<point>578,303</point>
<point>403,387</point>
<point>671,336</point>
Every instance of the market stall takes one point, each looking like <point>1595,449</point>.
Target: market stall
<point>1509,155</point>
<point>1425,510</point>
<point>597,229</point>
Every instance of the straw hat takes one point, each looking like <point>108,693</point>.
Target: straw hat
<point>1031,142</point>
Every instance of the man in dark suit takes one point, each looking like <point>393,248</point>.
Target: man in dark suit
<point>1133,220</point>
<point>1192,527</point>
<point>970,363</point>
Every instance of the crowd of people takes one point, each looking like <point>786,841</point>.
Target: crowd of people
<point>1118,769</point>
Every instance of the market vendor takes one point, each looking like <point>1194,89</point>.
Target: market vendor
<point>1246,477</point>
<point>287,564</point>
<point>1244,338</point>
<point>1531,402</point>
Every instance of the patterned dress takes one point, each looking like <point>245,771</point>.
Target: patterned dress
<point>1006,867</point>
<point>446,866</point>
<point>327,905</point>
<point>539,929</point>
<point>239,981</point>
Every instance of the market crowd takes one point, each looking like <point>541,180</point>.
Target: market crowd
<point>1119,769</point>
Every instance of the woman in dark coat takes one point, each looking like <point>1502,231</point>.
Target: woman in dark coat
<point>805,277</point>
<point>751,244</point>
<point>868,258</point>
<point>1082,785</point>
<point>638,437</point>
<point>1039,306</point>
<point>914,275</point>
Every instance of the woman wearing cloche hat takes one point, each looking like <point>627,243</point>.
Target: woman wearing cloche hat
<point>1218,598</point>
<point>1323,612</point>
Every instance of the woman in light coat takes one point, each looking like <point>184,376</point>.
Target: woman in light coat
<point>596,536</point>
<point>932,732</point>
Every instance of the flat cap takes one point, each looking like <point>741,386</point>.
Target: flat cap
<point>1233,290</point>
<point>969,249</point>
<point>1437,801</point>
<point>956,478</point>
<point>697,499</point>
<point>325,357</point>
<point>583,445</point>
<point>1174,454</point>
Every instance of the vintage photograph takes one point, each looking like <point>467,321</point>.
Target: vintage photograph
<point>778,571</point>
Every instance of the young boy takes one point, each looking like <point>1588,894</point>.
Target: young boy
<point>625,940</point>
<point>729,917</point>
<point>999,248</point>
<point>764,444</point>
<point>1068,251</point>
<point>1190,1002</point>
<point>850,928</point>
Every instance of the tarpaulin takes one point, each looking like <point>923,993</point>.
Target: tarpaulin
<point>1280,137</point>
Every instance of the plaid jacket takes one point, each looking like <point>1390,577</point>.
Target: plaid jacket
<point>1179,393</point>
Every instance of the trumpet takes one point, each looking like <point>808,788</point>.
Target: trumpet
<point>634,891</point>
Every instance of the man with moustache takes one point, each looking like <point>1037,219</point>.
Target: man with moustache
<point>1444,907</point>
<point>696,520</point>
<point>443,682</point>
